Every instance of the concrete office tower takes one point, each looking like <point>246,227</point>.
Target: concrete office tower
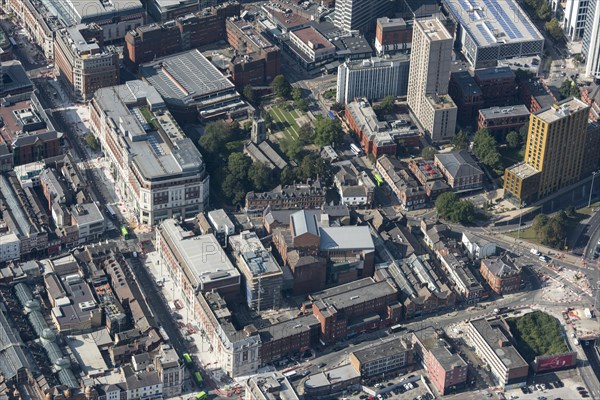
<point>574,22</point>
<point>428,79</point>
<point>591,40</point>
<point>360,15</point>
<point>554,153</point>
<point>373,79</point>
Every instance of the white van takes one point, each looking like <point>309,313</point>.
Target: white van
<point>535,252</point>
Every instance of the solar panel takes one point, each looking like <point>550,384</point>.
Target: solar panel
<point>485,33</point>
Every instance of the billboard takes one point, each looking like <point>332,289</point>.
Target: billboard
<point>554,363</point>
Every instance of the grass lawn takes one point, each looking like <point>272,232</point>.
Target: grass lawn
<point>529,235</point>
<point>588,211</point>
<point>285,121</point>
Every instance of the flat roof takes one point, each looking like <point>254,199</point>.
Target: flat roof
<point>493,22</point>
<point>361,291</point>
<point>14,77</point>
<point>257,259</point>
<point>484,74</point>
<point>97,9</point>
<point>537,89</point>
<point>87,353</point>
<point>433,28</point>
<point>86,213</point>
<point>466,83</point>
<point>431,341</point>
<point>377,62</point>
<point>346,238</point>
<point>390,24</point>
<point>332,376</point>
<point>380,351</point>
<point>310,34</point>
<point>156,155</point>
<point>186,77</point>
<point>202,258</point>
<point>501,112</point>
<point>522,170</point>
<point>561,110</point>
<point>493,335</point>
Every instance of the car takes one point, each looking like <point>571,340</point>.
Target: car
<point>379,397</point>
<point>363,397</point>
<point>544,259</point>
<point>549,385</point>
<point>559,384</point>
<point>524,390</point>
<point>489,395</point>
<point>543,386</point>
<point>321,365</point>
<point>538,386</point>
<point>580,388</point>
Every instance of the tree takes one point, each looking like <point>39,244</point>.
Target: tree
<point>450,207</point>
<point>288,176</point>
<point>485,148</point>
<point>539,222</point>
<point>523,131</point>
<point>445,202</point>
<point>554,29</point>
<point>281,87</point>
<point>301,105</point>
<point>296,94</point>
<point>249,94</point>
<point>260,177</point>
<point>513,139</point>
<point>328,132</point>
<point>293,149</point>
<point>565,88</point>
<point>337,107</point>
<point>268,120</point>
<point>91,141</point>
<point>236,185</point>
<point>388,103</point>
<point>544,12</point>
<point>461,140</point>
<point>428,152</point>
<point>306,133</point>
<point>216,134</point>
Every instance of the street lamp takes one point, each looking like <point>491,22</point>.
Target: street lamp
<point>592,187</point>
<point>519,228</point>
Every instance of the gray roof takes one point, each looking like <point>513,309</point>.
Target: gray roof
<point>380,351</point>
<point>501,266</point>
<point>429,339</point>
<point>186,78</point>
<point>141,379</point>
<point>17,77</point>
<point>92,10</point>
<point>87,213</point>
<point>12,354</point>
<point>484,74</point>
<point>221,219</point>
<point>459,164</point>
<point>493,335</point>
<point>501,112</point>
<point>346,238</point>
<point>304,222</point>
<point>361,291</point>
<point>465,81</point>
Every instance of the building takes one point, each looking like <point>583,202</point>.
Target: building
<point>447,371</point>
<point>591,95</point>
<point>359,15</point>
<point>301,195</point>
<point>222,225</point>
<point>466,95</point>
<point>141,384</point>
<point>498,85</point>
<point>263,277</point>
<point>355,307</point>
<point>372,79</point>
<point>575,13</point>
<point>494,31</point>
<point>554,153</point>
<point>179,76</point>
<point>28,133</point>
<point>535,94</point>
<point>145,43</point>
<point>14,79</point>
<point>492,342</point>
<point>500,121</point>
<point>431,56</point>
<point>477,246</point>
<point>156,167</point>
<point>257,60</point>
<point>89,221</point>
<point>269,386</point>
<point>461,171</point>
<point>591,157</point>
<point>163,10</point>
<point>196,263</point>
<point>171,370</point>
<point>83,62</point>
<point>460,275</point>
<point>591,40</point>
<point>355,188</point>
<point>392,35</point>
<point>383,358</point>
<point>9,245</point>
<point>411,195</point>
<point>332,383</point>
<point>375,137</point>
<point>429,176</point>
<point>312,46</point>
<point>502,274</point>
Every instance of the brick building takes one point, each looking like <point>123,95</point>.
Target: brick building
<point>535,95</point>
<point>411,195</point>
<point>502,274</point>
<point>461,171</point>
<point>498,85</point>
<point>429,176</point>
<point>467,96</point>
<point>302,195</point>
<point>384,358</point>
<point>392,35</point>
<point>501,120</point>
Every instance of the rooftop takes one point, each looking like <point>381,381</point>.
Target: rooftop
<point>24,120</point>
<point>80,11</point>
<point>459,163</point>
<point>221,219</point>
<point>433,28</point>
<point>561,110</point>
<point>380,351</point>
<point>467,84</point>
<point>536,88</point>
<point>344,296</point>
<point>186,77</point>
<point>498,342</point>
<point>438,347</point>
<point>14,78</point>
<point>522,170</point>
<point>501,266</point>
<point>87,213</point>
<point>272,386</point>
<point>78,43</point>
<point>332,377</point>
<point>390,24</point>
<point>493,22</point>
<point>312,37</point>
<point>257,259</point>
<point>485,74</point>
<point>158,153</point>
<point>377,62</point>
<point>86,350</point>
<point>201,257</point>
<point>501,112</point>
<point>346,238</point>
<point>380,132</point>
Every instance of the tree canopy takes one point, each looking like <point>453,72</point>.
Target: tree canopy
<point>537,334</point>
<point>554,29</point>
<point>569,88</point>
<point>513,139</point>
<point>281,87</point>
<point>328,132</point>
<point>428,152</point>
<point>461,140</point>
<point>551,231</point>
<point>450,207</point>
<point>485,148</point>
<point>91,141</point>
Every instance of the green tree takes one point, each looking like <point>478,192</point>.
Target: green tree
<point>249,94</point>
<point>485,148</point>
<point>281,87</point>
<point>544,12</point>
<point>539,222</point>
<point>461,140</point>
<point>428,152</point>
<point>288,176</point>
<point>306,133</point>
<point>387,105</point>
<point>565,88</point>
<point>301,105</point>
<point>523,131</point>
<point>463,212</point>
<point>296,94</point>
<point>513,139</point>
<point>260,177</point>
<point>554,29</point>
<point>293,149</point>
<point>216,134</point>
<point>268,120</point>
<point>445,203</point>
<point>91,141</point>
<point>236,184</point>
<point>337,107</point>
<point>328,132</point>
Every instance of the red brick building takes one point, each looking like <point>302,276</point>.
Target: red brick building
<point>501,120</point>
<point>535,95</point>
<point>467,96</point>
<point>375,137</point>
<point>501,274</point>
<point>498,85</point>
<point>392,35</point>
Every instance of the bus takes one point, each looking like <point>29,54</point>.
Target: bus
<point>198,379</point>
<point>187,359</point>
<point>355,149</point>
<point>110,211</point>
<point>124,232</point>
<point>378,179</point>
<point>202,396</point>
<point>396,328</point>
